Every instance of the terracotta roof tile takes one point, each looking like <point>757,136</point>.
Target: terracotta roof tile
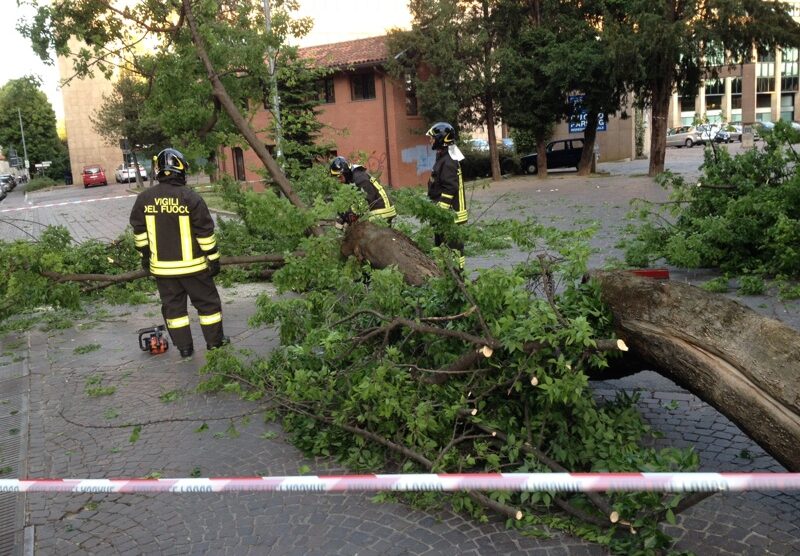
<point>359,52</point>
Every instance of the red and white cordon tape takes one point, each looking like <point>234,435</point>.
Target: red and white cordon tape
<point>528,482</point>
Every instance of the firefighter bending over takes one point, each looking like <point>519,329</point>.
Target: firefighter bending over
<point>377,200</point>
<point>446,184</point>
<point>174,233</point>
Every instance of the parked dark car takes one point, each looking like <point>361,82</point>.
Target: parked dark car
<point>93,175</point>
<point>564,153</point>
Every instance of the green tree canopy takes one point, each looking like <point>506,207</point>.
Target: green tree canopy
<point>24,97</point>
<point>450,57</point>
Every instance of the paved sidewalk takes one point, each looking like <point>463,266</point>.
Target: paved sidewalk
<point>46,398</point>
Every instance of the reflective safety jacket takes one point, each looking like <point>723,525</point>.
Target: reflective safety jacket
<point>377,199</point>
<point>446,185</point>
<point>173,226</point>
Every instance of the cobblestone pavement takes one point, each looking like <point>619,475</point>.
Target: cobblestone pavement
<point>50,381</point>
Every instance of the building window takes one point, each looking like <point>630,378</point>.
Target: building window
<point>764,101</point>
<point>687,104</point>
<point>238,163</point>
<point>362,86</point>
<point>411,96</point>
<point>790,70</point>
<point>327,94</point>
<point>787,107</point>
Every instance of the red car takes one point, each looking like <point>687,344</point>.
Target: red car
<point>94,175</point>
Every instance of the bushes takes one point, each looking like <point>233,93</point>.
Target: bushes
<point>742,216</point>
<point>42,182</point>
<point>477,163</point>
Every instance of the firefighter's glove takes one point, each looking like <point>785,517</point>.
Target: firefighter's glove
<point>146,262</point>
<point>348,217</point>
<point>214,267</point>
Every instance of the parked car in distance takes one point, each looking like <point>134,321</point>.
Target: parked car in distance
<point>478,144</point>
<point>8,182</point>
<point>715,133</point>
<point>93,175</point>
<point>564,153</point>
<point>684,136</point>
<point>128,174</point>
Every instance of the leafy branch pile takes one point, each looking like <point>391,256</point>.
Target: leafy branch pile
<point>458,375</point>
<point>742,216</point>
<point>25,285</point>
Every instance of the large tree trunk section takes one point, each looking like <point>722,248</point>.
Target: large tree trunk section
<point>662,92</point>
<point>589,138</point>
<point>384,247</point>
<point>745,365</point>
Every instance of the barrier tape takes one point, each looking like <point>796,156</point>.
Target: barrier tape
<point>528,482</point>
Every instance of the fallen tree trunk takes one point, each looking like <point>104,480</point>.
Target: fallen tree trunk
<point>745,365</point>
<point>384,247</point>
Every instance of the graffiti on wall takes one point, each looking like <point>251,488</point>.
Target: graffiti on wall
<point>421,155</point>
<point>376,163</point>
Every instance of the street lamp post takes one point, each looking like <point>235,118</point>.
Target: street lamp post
<point>24,148</point>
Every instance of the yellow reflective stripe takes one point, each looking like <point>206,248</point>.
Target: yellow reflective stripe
<point>150,222</point>
<point>179,264</point>
<point>186,237</point>
<point>462,261</point>
<point>462,201</point>
<point>213,256</point>
<point>446,196</point>
<point>140,240</point>
<point>207,242</point>
<point>179,322</point>
<point>210,319</point>
<point>384,213</point>
<point>178,271</point>
<point>461,216</point>
<point>444,205</point>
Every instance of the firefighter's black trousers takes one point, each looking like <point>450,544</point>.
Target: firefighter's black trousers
<point>202,292</point>
<point>438,239</point>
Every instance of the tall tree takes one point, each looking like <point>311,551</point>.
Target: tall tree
<point>450,56</point>
<point>123,117</point>
<point>669,41</point>
<point>23,97</point>
<point>221,45</point>
<point>531,99</point>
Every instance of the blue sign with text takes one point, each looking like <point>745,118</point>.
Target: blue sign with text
<point>577,121</point>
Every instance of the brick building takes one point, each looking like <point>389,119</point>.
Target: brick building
<point>367,111</point>
<point>82,98</point>
<point>364,111</point>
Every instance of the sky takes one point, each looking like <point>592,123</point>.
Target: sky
<point>334,21</point>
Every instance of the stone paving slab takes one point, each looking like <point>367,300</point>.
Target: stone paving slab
<point>64,444</point>
<point>61,444</point>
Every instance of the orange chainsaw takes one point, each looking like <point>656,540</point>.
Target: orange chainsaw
<point>153,339</point>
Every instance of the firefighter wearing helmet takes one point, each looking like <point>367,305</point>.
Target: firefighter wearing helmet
<point>446,184</point>
<point>379,205</point>
<point>174,233</point>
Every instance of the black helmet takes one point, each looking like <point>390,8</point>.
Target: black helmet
<point>340,167</point>
<point>170,163</point>
<point>443,135</point>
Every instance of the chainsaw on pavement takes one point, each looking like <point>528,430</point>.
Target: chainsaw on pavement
<point>153,339</point>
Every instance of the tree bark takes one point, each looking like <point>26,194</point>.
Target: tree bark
<point>541,159</point>
<point>494,153</point>
<point>589,137</point>
<point>745,365</point>
<point>384,247</point>
<point>236,117</point>
<point>662,91</point>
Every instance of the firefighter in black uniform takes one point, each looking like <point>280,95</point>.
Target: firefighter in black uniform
<point>377,200</point>
<point>174,232</point>
<point>446,184</point>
